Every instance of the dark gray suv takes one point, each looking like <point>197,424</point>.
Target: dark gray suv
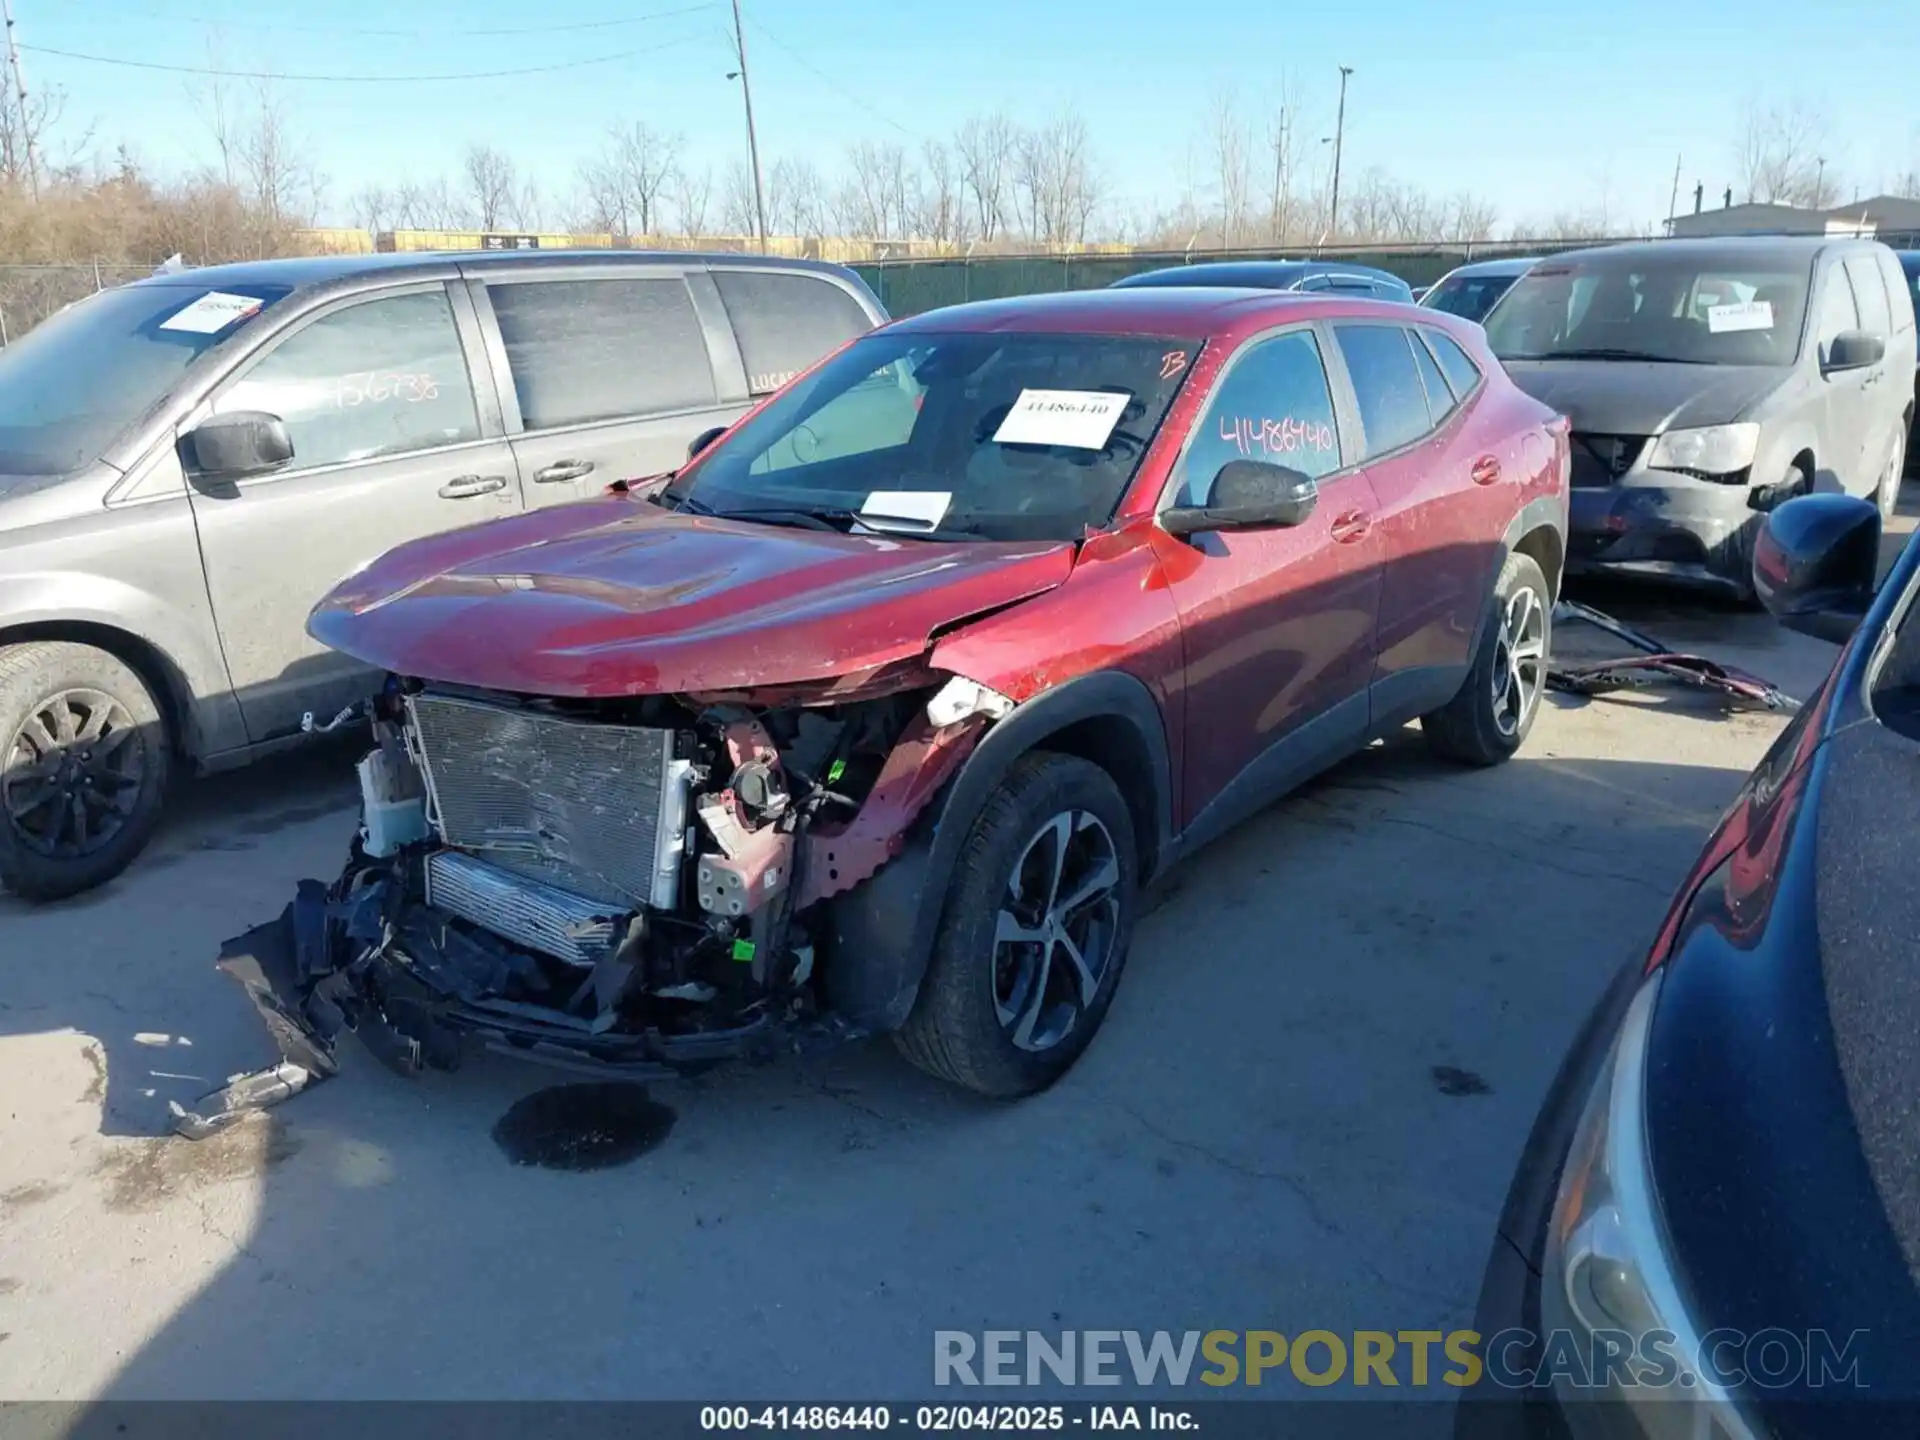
<point>188,463</point>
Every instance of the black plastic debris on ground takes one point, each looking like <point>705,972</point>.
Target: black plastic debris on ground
<point>1652,662</point>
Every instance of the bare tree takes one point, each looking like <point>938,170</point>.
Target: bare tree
<point>492,184</point>
<point>692,198</point>
<point>1057,187</point>
<point>797,199</point>
<point>431,205</point>
<point>1780,155</point>
<point>273,163</point>
<point>873,197</point>
<point>940,197</point>
<point>984,152</point>
<point>737,209</point>
<point>1285,144</point>
<point>1230,146</point>
<point>626,182</point>
<point>373,208</point>
<point>24,128</point>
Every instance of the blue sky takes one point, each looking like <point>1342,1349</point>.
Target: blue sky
<point>1538,108</point>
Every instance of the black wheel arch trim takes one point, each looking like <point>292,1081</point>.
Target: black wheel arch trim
<point>884,929</point>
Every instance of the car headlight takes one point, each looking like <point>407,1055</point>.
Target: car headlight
<point>1607,1284</point>
<point>1710,449</point>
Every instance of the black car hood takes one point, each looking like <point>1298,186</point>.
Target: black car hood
<point>1783,1087</point>
<point>1632,397</point>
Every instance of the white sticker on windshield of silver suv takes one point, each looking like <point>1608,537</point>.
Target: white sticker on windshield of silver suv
<point>1752,315</point>
<point>211,313</point>
<point>1082,419</point>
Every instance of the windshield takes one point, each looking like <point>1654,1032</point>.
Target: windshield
<point>1680,307</point>
<point>964,436</point>
<point>1468,296</point>
<point>74,382</point>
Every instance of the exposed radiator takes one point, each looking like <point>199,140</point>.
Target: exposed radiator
<point>537,916</point>
<point>599,810</point>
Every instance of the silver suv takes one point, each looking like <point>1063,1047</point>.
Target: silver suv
<point>188,463</point>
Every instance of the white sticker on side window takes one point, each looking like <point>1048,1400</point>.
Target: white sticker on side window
<point>1753,315</point>
<point>1082,419</point>
<point>211,313</point>
<point>927,507</point>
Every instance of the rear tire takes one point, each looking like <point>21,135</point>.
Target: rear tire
<point>1005,1009</point>
<point>1489,719</point>
<point>84,763</point>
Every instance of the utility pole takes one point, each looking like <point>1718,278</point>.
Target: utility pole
<point>1820,182</point>
<point>20,90</point>
<point>1673,199</point>
<point>753,142</point>
<point>1339,135</point>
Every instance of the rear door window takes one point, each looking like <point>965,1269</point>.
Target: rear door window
<point>786,321</point>
<point>1386,383</point>
<point>1273,405</point>
<point>587,350</point>
<point>384,377</point>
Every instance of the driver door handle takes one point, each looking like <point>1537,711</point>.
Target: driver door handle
<point>1352,526</point>
<point>1486,470</point>
<point>562,470</point>
<point>465,487</point>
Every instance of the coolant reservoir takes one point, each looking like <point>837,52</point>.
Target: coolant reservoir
<point>393,813</point>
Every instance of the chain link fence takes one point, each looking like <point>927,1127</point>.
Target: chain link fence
<point>30,293</point>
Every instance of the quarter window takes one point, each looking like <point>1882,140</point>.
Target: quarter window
<point>586,350</point>
<point>1440,401</point>
<point>1273,405</point>
<point>1462,374</point>
<point>785,322</point>
<point>1386,383</point>
<point>386,377</point>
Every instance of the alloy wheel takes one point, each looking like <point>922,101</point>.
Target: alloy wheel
<point>71,774</point>
<point>1053,938</point>
<point>1519,660</point>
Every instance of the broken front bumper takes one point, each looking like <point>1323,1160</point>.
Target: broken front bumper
<point>365,957</point>
<point>1677,528</point>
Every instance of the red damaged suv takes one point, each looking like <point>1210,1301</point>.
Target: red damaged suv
<point>878,714</point>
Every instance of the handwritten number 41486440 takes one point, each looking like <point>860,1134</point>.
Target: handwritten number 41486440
<point>1269,436</point>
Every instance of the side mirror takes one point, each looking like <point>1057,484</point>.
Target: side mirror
<point>1247,495</point>
<point>1815,563</point>
<point>1854,350</point>
<point>704,439</point>
<point>243,443</point>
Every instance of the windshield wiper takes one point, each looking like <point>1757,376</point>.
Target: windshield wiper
<point>835,521</point>
<point>1607,352</point>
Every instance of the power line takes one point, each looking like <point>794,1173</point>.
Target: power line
<point>830,82</point>
<point>354,79</point>
<point>213,23</point>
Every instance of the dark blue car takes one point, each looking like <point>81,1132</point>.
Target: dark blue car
<point>1323,276</point>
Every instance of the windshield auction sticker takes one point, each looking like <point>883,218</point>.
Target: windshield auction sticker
<point>1753,315</point>
<point>1082,419</point>
<point>211,313</point>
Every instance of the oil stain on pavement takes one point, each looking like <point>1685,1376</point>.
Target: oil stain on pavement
<point>582,1127</point>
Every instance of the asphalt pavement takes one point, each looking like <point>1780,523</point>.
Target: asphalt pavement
<point>1303,1112</point>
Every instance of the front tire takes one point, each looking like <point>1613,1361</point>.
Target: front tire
<point>1489,719</point>
<point>1034,929</point>
<point>1887,493</point>
<point>84,762</point>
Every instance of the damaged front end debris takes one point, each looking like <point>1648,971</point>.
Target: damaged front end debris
<point>638,885</point>
<point>1652,661</point>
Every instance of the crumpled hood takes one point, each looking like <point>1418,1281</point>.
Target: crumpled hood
<point>620,597</point>
<point>1633,397</point>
